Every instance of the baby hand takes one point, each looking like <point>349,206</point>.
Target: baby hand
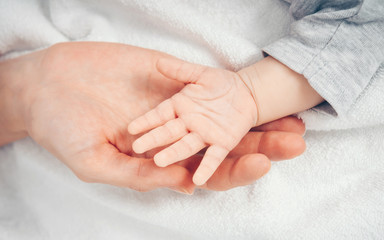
<point>214,109</point>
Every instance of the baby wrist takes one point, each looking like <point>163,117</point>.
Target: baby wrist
<point>278,90</point>
<point>250,85</point>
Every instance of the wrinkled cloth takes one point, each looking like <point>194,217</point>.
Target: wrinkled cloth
<point>338,45</point>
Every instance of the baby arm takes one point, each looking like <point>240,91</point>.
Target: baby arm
<point>217,108</point>
<point>278,90</point>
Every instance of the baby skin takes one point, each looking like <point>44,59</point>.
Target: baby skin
<point>216,108</point>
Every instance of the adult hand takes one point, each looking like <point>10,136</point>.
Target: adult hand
<point>76,100</point>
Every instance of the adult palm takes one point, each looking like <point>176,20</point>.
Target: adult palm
<point>80,97</point>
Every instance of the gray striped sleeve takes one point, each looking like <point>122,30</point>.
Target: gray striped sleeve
<point>338,45</point>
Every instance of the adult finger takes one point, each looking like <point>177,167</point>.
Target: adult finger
<point>238,172</point>
<point>105,164</point>
<point>286,124</point>
<point>276,145</point>
<point>180,70</point>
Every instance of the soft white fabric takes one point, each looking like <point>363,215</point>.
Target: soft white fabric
<point>333,191</point>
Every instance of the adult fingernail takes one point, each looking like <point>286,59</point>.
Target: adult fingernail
<point>182,190</point>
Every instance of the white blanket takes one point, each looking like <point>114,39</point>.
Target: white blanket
<point>333,191</point>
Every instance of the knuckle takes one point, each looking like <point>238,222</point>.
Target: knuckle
<point>180,125</point>
<point>165,111</point>
<point>156,137</point>
<point>214,161</point>
<point>160,113</point>
<point>185,146</point>
<point>175,128</point>
<point>179,70</point>
<point>168,130</point>
<point>198,72</point>
<point>138,181</point>
<point>139,170</point>
<point>147,118</point>
<point>88,170</point>
<point>172,152</point>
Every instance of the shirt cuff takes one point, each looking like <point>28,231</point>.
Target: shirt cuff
<point>326,70</point>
